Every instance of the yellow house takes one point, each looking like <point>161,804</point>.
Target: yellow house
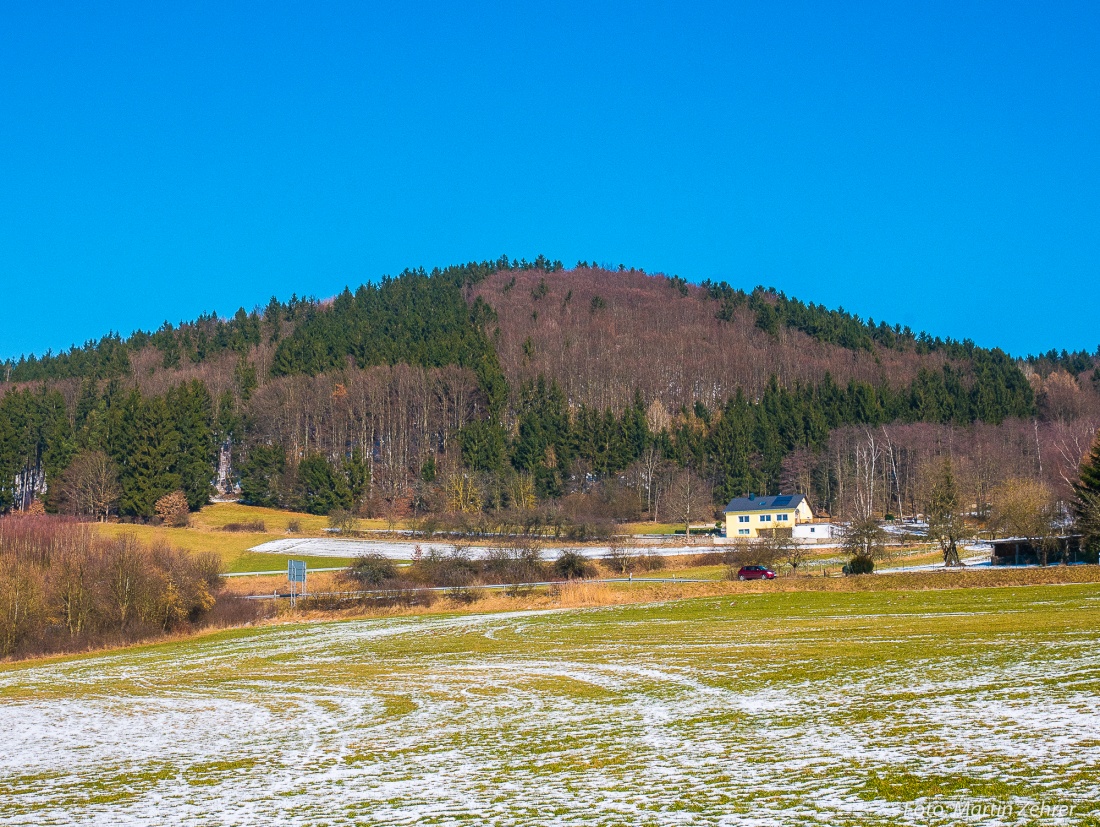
<point>748,516</point>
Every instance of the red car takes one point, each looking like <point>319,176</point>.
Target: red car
<point>755,573</point>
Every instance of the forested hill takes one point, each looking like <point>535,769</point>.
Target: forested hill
<point>538,381</point>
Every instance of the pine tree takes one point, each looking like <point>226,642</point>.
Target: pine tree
<point>544,444</point>
<point>146,452</point>
<point>321,489</point>
<point>1087,497</point>
<point>261,476</point>
<point>196,461</point>
<point>1089,480</point>
<point>9,463</point>
<point>482,445</point>
<point>58,445</point>
<point>731,448</point>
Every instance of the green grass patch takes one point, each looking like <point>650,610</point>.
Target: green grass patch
<point>262,561</point>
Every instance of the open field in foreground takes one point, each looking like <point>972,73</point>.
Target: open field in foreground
<point>754,708</point>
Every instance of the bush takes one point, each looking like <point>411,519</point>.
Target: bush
<point>465,594</point>
<point>343,521</point>
<point>257,526</point>
<point>865,539</point>
<point>761,552</point>
<point>172,509</point>
<point>387,599</point>
<point>594,529</point>
<point>711,558</point>
<point>294,526</point>
<point>573,566</point>
<point>621,559</point>
<point>371,571</point>
<point>428,525</point>
<point>609,501</point>
<point>452,569</point>
<point>518,563</point>
<point>860,565</point>
<point>627,559</point>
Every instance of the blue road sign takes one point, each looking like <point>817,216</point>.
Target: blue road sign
<point>296,571</point>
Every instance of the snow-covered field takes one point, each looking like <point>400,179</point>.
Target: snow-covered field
<point>404,550</point>
<point>772,709</point>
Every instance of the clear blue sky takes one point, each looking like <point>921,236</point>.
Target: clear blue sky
<point>934,164</point>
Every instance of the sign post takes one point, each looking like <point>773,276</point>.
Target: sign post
<point>296,573</point>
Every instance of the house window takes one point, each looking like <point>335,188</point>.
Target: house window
<point>742,531</point>
<point>765,518</point>
<point>812,529</point>
<point>744,518</point>
<point>782,517</point>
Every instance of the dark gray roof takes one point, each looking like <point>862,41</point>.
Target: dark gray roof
<point>790,501</point>
<point>1003,541</point>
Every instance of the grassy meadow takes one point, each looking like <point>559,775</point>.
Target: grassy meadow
<point>754,706</point>
<point>206,532</point>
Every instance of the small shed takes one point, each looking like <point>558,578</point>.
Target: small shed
<point>1019,551</point>
<point>814,531</point>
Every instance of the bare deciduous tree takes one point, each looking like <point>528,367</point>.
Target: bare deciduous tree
<point>789,550</point>
<point>1027,509</point>
<point>521,490</point>
<point>689,498</point>
<point>867,456</point>
<point>343,521</point>
<point>622,557</point>
<point>21,603</point>
<point>746,552</point>
<point>462,492</point>
<point>90,485</point>
<point>865,542</point>
<point>945,518</point>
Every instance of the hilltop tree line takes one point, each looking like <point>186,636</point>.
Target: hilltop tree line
<point>773,309</point>
<point>416,318</point>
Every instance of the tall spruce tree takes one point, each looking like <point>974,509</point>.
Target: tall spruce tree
<point>192,413</point>
<point>146,452</point>
<point>544,442</point>
<point>261,476</point>
<point>1087,497</point>
<point>9,453</point>
<point>732,448</point>
<point>1088,483</point>
<point>321,489</point>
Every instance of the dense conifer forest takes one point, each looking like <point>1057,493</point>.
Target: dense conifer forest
<point>515,386</point>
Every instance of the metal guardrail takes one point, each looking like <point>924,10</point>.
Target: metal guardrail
<point>420,589</point>
<point>277,571</point>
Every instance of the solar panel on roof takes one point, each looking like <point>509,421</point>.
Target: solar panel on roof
<point>782,501</point>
